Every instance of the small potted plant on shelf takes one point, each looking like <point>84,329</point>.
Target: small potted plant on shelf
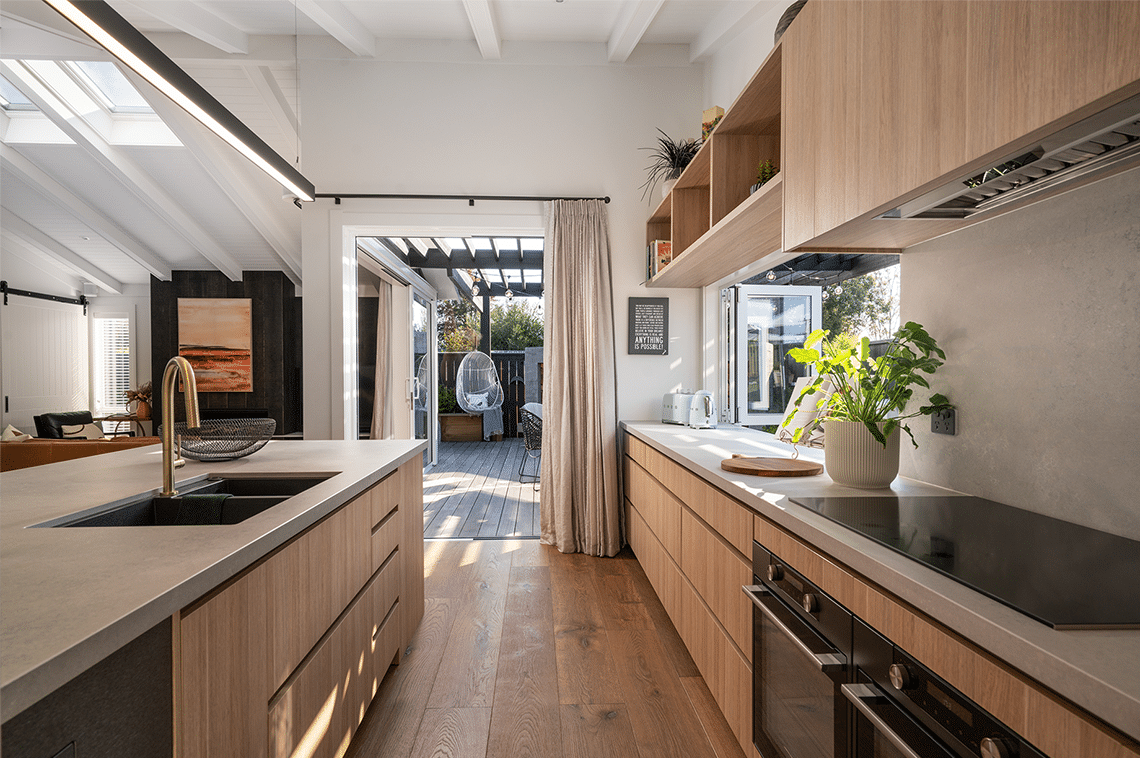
<point>764,174</point>
<point>669,158</point>
<point>141,399</point>
<point>862,415</point>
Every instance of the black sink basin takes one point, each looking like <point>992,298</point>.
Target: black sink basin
<point>246,497</point>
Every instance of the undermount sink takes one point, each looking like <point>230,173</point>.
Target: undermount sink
<point>248,496</point>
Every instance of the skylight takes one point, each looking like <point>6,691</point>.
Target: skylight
<point>107,82</point>
<point>11,99</point>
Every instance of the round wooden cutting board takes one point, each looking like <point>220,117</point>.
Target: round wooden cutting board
<point>739,464</point>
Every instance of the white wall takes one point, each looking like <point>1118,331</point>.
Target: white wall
<point>733,65</point>
<point>1038,313</point>
<point>515,127</point>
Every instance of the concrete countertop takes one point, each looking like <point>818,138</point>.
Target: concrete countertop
<point>1097,670</point>
<point>70,597</point>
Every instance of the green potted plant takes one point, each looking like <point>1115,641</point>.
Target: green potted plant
<point>867,405</point>
<point>455,425</point>
<point>764,174</point>
<point>668,158</point>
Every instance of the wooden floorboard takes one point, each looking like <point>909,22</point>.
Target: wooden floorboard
<point>473,491</point>
<point>522,654</point>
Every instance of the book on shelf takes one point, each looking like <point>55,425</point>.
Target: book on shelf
<point>658,255</point>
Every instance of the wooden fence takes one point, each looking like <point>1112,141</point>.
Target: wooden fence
<point>510,365</point>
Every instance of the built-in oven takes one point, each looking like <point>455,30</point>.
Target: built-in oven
<point>903,710</point>
<point>801,654</point>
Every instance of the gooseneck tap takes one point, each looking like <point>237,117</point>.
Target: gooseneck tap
<point>175,367</point>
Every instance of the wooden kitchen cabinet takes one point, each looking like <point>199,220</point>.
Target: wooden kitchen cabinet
<point>696,573</point>
<point>300,640</point>
<point>884,100</point>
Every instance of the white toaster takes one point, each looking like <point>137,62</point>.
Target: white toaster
<point>675,407</point>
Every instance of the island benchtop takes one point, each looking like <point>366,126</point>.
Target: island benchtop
<point>70,597</point>
<point>1098,670</point>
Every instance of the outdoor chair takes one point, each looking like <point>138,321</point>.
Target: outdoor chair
<point>532,441</point>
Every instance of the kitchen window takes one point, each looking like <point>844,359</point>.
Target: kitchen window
<point>762,323</point>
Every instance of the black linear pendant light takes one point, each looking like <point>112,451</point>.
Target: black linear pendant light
<point>101,23</point>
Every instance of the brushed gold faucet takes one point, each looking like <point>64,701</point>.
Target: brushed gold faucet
<point>174,367</point>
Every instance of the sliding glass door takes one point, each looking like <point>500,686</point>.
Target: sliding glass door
<point>423,382</point>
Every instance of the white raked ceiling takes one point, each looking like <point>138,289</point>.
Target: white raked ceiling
<point>113,201</point>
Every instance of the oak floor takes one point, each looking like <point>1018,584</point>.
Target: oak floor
<point>525,651</point>
<point>474,491</point>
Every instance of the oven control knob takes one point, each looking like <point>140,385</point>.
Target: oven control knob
<point>775,572</point>
<point>993,747</point>
<point>901,676</point>
<point>809,602</point>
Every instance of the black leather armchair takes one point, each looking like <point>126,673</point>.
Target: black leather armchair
<point>50,425</point>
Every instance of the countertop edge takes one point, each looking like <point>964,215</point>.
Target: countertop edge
<point>36,682</point>
<point>992,626</point>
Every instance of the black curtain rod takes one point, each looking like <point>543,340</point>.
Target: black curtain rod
<point>81,300</point>
<point>338,196</point>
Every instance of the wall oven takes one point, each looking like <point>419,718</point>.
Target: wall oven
<point>826,685</point>
<point>902,710</point>
<point>801,648</point>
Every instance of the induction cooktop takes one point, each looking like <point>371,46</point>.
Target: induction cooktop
<point>1062,574</point>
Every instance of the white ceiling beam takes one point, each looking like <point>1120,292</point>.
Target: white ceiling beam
<point>198,22</point>
<point>15,247</point>
<point>335,18</point>
<point>122,167</point>
<point>635,18</point>
<point>723,28</point>
<point>233,175</point>
<point>482,18</point>
<point>266,85</point>
<point>19,230</point>
<point>34,31</point>
<point>100,224</point>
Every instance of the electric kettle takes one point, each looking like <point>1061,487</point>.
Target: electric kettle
<point>702,411</point>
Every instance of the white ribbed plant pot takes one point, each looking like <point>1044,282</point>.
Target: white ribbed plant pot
<point>853,457</point>
<point>666,187</point>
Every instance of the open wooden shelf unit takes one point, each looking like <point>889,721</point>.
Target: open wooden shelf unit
<point>715,225</point>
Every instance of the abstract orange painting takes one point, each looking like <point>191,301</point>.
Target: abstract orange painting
<point>216,336</point>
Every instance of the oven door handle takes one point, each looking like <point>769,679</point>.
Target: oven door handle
<point>857,694</point>
<point>827,662</point>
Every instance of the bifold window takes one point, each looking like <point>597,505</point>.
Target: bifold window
<point>111,354</point>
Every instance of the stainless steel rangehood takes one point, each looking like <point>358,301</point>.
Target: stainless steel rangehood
<point>1110,138</point>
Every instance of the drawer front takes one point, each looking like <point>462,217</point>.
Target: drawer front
<point>659,568</point>
<point>727,674</point>
<point>718,573</point>
<point>312,580</point>
<point>386,495</point>
<point>386,536</point>
<point>661,511</point>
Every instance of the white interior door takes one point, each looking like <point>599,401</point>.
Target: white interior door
<point>769,321</point>
<point>45,360</point>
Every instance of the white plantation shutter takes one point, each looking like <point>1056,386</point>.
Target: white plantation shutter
<point>112,358</point>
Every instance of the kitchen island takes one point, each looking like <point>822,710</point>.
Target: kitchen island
<point>1035,673</point>
<point>73,596</point>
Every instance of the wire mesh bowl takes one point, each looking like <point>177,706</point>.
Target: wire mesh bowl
<point>223,439</point>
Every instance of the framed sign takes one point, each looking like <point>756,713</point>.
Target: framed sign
<point>648,326</point>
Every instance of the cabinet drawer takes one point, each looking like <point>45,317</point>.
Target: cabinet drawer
<point>386,495</point>
<point>660,510</point>
<point>659,568</point>
<point>311,581</point>
<point>386,536</point>
<point>727,674</point>
<point>717,574</point>
<point>727,516</point>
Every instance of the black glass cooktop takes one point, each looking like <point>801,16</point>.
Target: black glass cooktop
<point>1065,575</point>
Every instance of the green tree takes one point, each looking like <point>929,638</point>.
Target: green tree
<point>862,304</point>
<point>516,324</point>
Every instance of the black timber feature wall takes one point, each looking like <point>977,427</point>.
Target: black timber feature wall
<point>276,341</point>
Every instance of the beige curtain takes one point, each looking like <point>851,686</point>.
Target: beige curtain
<point>381,417</point>
<point>580,500</point>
